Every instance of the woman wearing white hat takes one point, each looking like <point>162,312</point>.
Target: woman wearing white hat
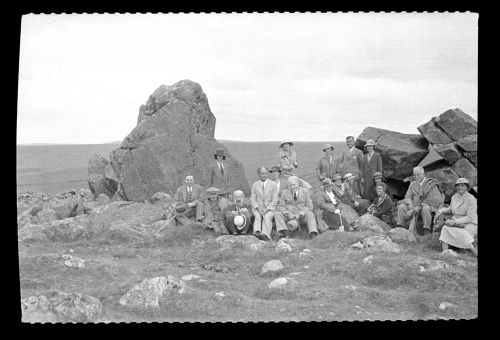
<point>459,230</point>
<point>288,159</point>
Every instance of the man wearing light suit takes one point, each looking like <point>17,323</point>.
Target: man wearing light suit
<point>264,199</point>
<point>220,174</point>
<point>193,195</point>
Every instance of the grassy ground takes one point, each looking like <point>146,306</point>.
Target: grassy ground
<point>389,289</point>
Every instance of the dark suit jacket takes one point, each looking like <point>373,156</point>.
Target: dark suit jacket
<point>325,202</point>
<point>382,207</point>
<point>216,179</point>
<point>198,193</point>
<point>368,168</point>
<point>326,168</point>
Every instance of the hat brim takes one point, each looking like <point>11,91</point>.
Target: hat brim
<point>468,185</point>
<point>244,223</point>
<point>223,156</point>
<point>331,147</point>
<point>281,145</point>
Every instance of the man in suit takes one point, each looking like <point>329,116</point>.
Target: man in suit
<point>215,205</point>
<point>238,216</point>
<point>281,183</point>
<point>423,197</point>
<point>264,199</point>
<point>372,163</point>
<point>295,207</point>
<point>220,174</point>
<point>351,162</point>
<point>327,165</point>
<point>193,195</point>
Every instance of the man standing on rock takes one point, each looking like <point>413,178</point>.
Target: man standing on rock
<point>351,162</point>
<point>327,165</point>
<point>214,208</point>
<point>220,174</point>
<point>238,216</point>
<point>264,200</point>
<point>295,207</point>
<point>422,198</point>
<point>193,195</point>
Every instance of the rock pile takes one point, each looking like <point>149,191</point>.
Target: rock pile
<point>446,148</point>
<point>174,137</point>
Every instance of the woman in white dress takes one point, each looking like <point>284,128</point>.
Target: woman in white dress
<point>459,230</point>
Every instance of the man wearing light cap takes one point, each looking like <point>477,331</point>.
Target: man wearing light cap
<point>351,162</point>
<point>327,165</point>
<point>238,216</point>
<point>422,199</point>
<point>295,208</point>
<point>264,199</point>
<point>193,195</point>
<point>215,205</point>
<point>220,174</point>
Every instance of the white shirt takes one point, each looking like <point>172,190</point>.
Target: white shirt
<point>220,165</point>
<point>278,184</point>
<point>349,151</point>
<point>332,197</point>
<point>263,184</point>
<point>189,189</point>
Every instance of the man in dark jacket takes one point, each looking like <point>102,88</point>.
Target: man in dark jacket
<point>193,195</point>
<point>382,205</point>
<point>220,174</point>
<point>238,216</point>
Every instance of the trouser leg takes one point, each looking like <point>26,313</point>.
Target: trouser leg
<point>184,219</point>
<point>279,218</point>
<point>311,222</point>
<point>257,223</point>
<point>267,224</point>
<point>426,216</point>
<point>199,210</point>
<point>402,215</point>
<point>229,223</point>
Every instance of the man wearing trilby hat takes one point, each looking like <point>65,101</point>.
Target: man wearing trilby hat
<point>351,162</point>
<point>327,165</point>
<point>215,205</point>
<point>220,174</point>
<point>288,159</point>
<point>372,162</point>
<point>238,216</point>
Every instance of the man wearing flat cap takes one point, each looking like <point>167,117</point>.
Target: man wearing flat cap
<point>327,165</point>
<point>220,174</point>
<point>295,208</point>
<point>238,215</point>
<point>215,205</point>
<point>351,162</point>
<point>193,195</point>
<point>264,200</point>
<point>288,159</point>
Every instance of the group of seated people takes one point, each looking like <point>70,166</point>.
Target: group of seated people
<point>284,202</point>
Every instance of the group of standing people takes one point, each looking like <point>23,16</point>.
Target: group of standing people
<point>355,179</point>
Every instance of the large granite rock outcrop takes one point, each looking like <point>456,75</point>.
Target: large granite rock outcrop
<point>174,137</point>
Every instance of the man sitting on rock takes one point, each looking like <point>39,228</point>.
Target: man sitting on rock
<point>214,207</point>
<point>295,207</point>
<point>382,205</point>
<point>192,194</point>
<point>237,216</point>
<point>344,195</point>
<point>422,198</point>
<point>328,204</point>
<point>264,200</point>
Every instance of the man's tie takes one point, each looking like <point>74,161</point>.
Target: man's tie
<point>221,169</point>
<point>263,194</point>
<point>295,195</point>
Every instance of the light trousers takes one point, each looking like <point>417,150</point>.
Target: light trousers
<point>264,225</point>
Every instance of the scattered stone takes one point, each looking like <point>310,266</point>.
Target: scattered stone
<point>351,287</point>
<point>304,253</point>
<point>278,283</point>
<point>444,305</point>
<point>247,242</point>
<point>103,199</point>
<point>64,207</point>
<point>449,252</point>
<point>381,244</point>
<point>32,233</point>
<point>429,265</point>
<point>272,266</point>
<point>221,295</point>
<point>367,260</point>
<point>46,216</point>
<point>69,229</point>
<point>295,273</point>
<point>370,222</point>
<point>306,267</point>
<point>402,235</point>
<point>73,261</point>
<point>190,277</point>
<point>71,250</point>
<point>462,263</point>
<point>148,292</point>
<point>357,245</point>
<point>56,306</point>
<point>282,246</point>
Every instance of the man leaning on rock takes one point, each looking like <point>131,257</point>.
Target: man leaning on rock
<point>193,195</point>
<point>422,198</point>
<point>220,174</point>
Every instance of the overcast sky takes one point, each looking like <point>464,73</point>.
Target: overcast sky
<point>306,77</point>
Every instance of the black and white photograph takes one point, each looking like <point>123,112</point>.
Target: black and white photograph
<point>247,167</point>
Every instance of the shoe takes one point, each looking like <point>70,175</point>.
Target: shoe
<point>263,237</point>
<point>257,234</point>
<point>313,235</point>
<point>283,234</point>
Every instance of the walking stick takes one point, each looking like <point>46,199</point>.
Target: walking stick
<point>341,228</point>
<point>164,225</point>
